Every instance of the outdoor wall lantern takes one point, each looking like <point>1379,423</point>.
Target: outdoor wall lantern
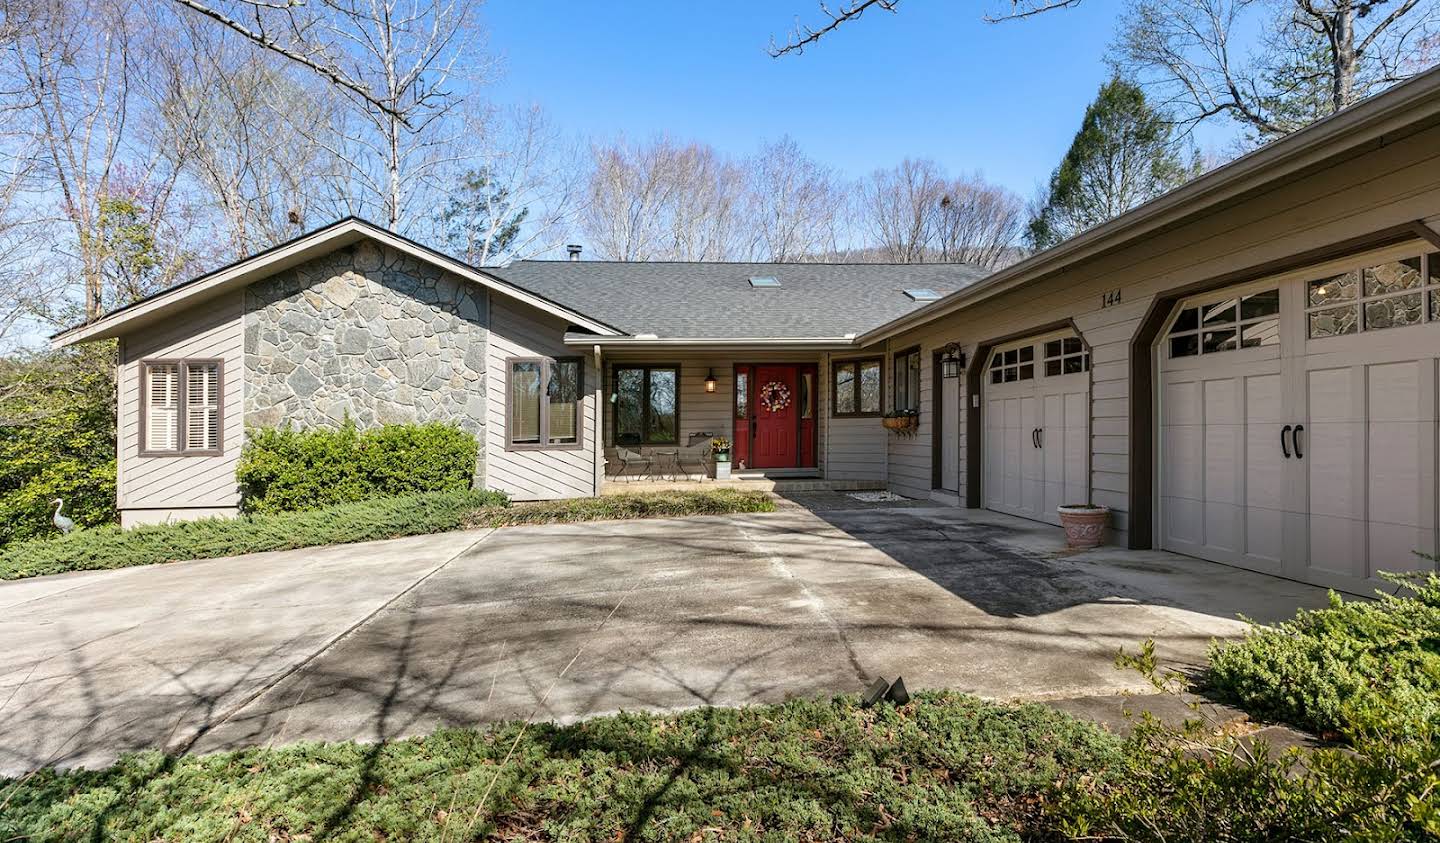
<point>710,381</point>
<point>952,360</point>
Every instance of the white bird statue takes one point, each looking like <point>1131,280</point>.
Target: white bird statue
<point>63,524</point>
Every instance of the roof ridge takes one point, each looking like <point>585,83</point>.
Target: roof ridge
<point>748,263</point>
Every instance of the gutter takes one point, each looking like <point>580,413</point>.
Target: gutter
<point>1402,105</point>
<point>653,341</point>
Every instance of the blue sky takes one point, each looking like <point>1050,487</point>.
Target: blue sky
<point>933,80</point>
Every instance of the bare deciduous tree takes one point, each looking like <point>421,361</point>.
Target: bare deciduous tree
<point>803,36</point>
<point>794,204</point>
<point>663,201</point>
<point>229,116</point>
<point>403,66</point>
<point>75,84</point>
<point>900,207</point>
<point>531,193</point>
<point>1318,56</point>
<point>978,223</point>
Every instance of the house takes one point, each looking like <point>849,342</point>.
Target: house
<point>1246,370</point>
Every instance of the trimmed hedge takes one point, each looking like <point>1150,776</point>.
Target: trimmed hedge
<point>112,547</point>
<point>613,507</point>
<point>284,470</point>
<point>381,518</point>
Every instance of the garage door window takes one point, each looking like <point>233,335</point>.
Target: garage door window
<point>1388,295</point>
<point>1065,357</point>
<point>1016,364</point>
<point>1239,322</point>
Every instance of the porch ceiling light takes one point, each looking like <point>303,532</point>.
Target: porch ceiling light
<point>952,360</point>
<point>710,381</point>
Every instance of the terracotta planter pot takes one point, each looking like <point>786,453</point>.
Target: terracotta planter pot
<point>1084,525</point>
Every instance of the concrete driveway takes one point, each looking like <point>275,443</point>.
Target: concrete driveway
<point>395,638</point>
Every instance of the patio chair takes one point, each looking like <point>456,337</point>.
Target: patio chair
<point>630,458</point>
<point>697,454</point>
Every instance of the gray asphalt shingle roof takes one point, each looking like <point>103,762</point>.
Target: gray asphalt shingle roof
<point>716,300</point>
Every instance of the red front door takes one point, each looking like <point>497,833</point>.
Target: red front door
<point>776,425</point>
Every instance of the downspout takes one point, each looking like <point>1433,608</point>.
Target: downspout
<point>597,462</point>
<point>826,381</point>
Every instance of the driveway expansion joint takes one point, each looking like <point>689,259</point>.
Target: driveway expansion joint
<point>320,651</point>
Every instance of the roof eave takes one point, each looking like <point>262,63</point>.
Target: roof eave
<point>641,341</point>
<point>291,253</point>
<point>1407,103</point>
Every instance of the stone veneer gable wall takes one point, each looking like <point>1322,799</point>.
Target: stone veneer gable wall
<point>369,332</point>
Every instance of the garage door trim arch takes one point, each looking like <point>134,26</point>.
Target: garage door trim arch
<point>1145,361</point>
<point>974,418</point>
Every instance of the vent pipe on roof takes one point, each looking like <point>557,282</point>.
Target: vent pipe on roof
<point>574,250</point>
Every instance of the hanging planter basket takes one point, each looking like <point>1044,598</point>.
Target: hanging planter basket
<point>901,424</point>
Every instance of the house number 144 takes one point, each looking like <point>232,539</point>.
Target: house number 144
<point>1110,299</point>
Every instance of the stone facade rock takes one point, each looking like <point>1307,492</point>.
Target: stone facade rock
<point>369,333</point>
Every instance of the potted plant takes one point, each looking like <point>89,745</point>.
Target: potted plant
<point>901,421</point>
<point>720,447</point>
<point>1084,524</point>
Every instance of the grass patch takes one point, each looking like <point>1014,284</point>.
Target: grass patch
<point>611,507</point>
<point>382,518</point>
<point>944,767</point>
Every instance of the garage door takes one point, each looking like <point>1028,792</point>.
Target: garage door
<point>1037,411</point>
<point>1298,422</point>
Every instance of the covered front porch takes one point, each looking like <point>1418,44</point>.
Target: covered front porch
<point>665,411</point>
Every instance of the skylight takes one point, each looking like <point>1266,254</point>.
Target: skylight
<point>923,295</point>
<point>765,281</point>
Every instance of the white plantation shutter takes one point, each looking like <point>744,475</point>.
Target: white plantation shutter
<point>162,410</point>
<point>202,407</point>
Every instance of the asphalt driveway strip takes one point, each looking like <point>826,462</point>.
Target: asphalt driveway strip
<point>563,622</point>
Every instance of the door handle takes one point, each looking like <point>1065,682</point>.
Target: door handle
<point>1295,440</point>
<point>1040,436</point>
<point>1034,443</point>
<point>1283,448</point>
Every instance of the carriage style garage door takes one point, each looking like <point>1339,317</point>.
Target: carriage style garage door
<point>1037,426</point>
<point>1298,429</point>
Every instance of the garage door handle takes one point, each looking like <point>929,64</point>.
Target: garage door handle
<point>1283,447</point>
<point>1295,440</point>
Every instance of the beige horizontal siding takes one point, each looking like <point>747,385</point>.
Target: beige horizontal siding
<point>211,329</point>
<point>1387,186</point>
<point>518,330</point>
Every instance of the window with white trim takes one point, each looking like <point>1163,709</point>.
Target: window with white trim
<point>1373,298</point>
<point>1014,364</point>
<point>182,407</point>
<point>1247,321</point>
<point>1065,356</point>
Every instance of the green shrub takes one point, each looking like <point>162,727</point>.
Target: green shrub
<point>1187,784</point>
<point>377,518</point>
<point>283,470</point>
<point>944,767</point>
<point>609,507</point>
<point>1356,665</point>
<point>112,547</point>
<point>57,440</point>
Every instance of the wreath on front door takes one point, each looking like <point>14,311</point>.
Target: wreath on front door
<point>774,396</point>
